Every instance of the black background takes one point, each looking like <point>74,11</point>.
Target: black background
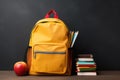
<point>97,20</point>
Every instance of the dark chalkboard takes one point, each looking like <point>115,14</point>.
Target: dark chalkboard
<point>97,21</point>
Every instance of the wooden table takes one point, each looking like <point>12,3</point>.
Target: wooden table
<point>102,75</point>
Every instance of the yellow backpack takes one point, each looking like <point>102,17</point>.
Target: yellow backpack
<point>49,43</point>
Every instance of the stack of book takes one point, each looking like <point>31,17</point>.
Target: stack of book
<point>86,65</point>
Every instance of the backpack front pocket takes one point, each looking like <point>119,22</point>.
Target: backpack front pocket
<point>49,58</point>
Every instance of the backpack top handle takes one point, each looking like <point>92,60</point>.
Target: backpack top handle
<point>50,12</point>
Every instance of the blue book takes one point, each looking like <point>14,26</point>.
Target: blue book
<point>85,62</point>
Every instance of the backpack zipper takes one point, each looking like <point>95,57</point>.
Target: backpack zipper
<point>46,52</point>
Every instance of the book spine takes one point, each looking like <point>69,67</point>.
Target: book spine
<point>86,65</point>
<point>86,73</point>
<point>86,69</point>
<point>85,56</point>
<point>85,62</point>
<point>85,59</point>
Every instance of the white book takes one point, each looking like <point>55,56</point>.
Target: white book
<point>86,73</point>
<point>85,59</point>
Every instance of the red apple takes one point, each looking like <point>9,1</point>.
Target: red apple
<point>20,68</point>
